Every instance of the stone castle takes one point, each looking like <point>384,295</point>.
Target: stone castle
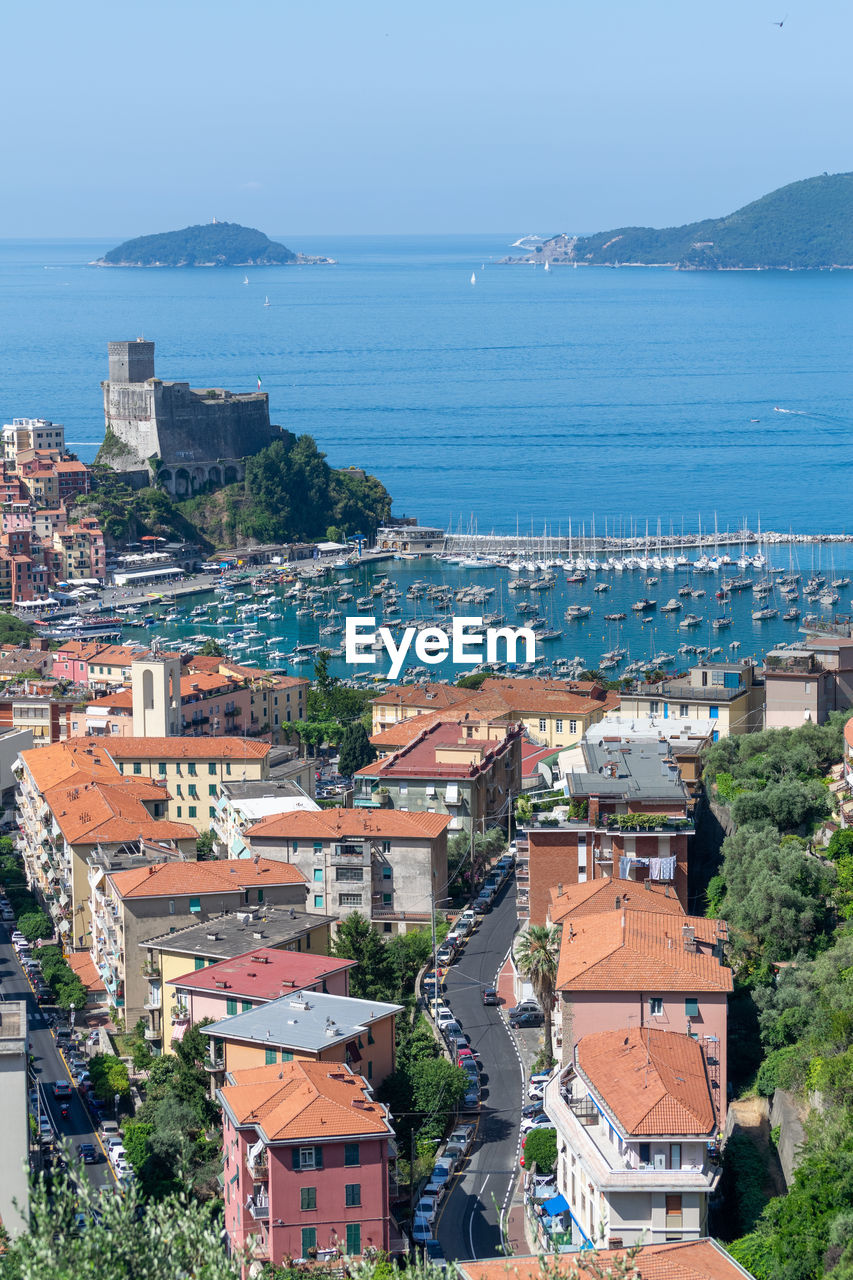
<point>186,438</point>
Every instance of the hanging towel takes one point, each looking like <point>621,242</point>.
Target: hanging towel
<point>624,867</point>
<point>654,868</point>
<point>667,868</point>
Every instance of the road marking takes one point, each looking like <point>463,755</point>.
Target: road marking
<point>88,1113</point>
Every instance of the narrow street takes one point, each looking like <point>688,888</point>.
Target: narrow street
<point>469,1221</point>
<point>49,1065</point>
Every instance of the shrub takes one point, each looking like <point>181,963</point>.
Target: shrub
<point>782,1069</point>
<point>541,1149</point>
<point>34,925</point>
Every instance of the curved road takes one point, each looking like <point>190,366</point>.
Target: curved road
<point>468,1225</point>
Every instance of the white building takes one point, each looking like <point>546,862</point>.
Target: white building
<point>31,433</point>
<point>636,1139</point>
<point>14,1167</point>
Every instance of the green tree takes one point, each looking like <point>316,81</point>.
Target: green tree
<point>438,1087</point>
<point>541,1149</point>
<point>356,939</point>
<point>211,649</point>
<point>109,1077</point>
<point>356,749</point>
<point>35,925</point>
<point>204,845</point>
<point>537,955</point>
<point>840,844</point>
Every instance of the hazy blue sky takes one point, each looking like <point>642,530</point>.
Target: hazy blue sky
<point>332,116</point>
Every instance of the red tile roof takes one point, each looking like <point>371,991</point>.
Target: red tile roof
<point>429,697</point>
<point>93,811</point>
<point>77,760</point>
<point>263,974</point>
<point>418,758</point>
<point>596,896</point>
<point>632,950</point>
<point>81,963</point>
<point>335,824</point>
<point>678,1260</point>
<point>652,1082</point>
<point>165,879</point>
<point>299,1101</point>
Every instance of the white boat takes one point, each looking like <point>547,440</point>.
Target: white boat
<point>547,266</point>
<point>267,302</point>
<point>245,279</point>
<point>473,277</point>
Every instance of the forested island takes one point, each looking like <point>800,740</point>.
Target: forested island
<point>216,244</point>
<point>806,225</point>
<point>289,494</point>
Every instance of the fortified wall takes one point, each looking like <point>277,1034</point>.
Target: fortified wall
<point>195,437</point>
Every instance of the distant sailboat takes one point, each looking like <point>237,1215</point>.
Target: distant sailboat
<point>245,279</point>
<point>267,302</point>
<point>473,278</point>
<point>547,266</point>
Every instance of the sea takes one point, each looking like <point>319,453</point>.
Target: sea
<point>524,400</point>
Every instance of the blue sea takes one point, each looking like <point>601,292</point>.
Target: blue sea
<point>530,398</point>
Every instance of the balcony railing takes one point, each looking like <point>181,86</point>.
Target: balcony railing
<point>258,1166</point>
<point>259,1209</point>
<point>215,1064</point>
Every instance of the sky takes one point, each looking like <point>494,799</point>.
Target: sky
<point>392,116</point>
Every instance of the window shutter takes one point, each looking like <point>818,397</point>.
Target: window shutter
<point>296,1165</point>
<point>318,1157</point>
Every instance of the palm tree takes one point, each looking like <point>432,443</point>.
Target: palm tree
<point>537,954</point>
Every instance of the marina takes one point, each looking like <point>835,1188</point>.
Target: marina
<point>658,613</point>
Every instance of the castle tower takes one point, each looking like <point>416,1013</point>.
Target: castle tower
<point>156,689</point>
<point>131,361</point>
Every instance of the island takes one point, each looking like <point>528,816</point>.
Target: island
<point>215,244</point>
<point>807,225</point>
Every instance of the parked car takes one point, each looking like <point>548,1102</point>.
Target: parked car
<point>427,1207</point>
<point>471,1101</point>
<point>421,1229</point>
<point>526,1006</point>
<point>451,1029</point>
<point>539,1121</point>
<point>490,995</point>
<point>483,904</point>
<point>434,1190</point>
<point>442,1170</point>
<point>444,957</point>
<point>455,1151</point>
<point>109,1130</point>
<point>435,1254</point>
<point>443,1016</point>
<point>528,1020</point>
<point>468,1062</point>
<point>87,1152</point>
<point>464,1135</point>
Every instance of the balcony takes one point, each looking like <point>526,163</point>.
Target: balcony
<point>151,1035</point>
<point>259,1209</point>
<point>258,1167</point>
<point>350,855</point>
<point>214,1065</point>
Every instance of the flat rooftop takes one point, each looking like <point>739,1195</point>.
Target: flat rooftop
<point>307,1020</point>
<point>13,1026</point>
<point>417,760</point>
<point>234,933</point>
<point>639,769</point>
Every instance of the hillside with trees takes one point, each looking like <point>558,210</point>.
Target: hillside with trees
<point>805,225</point>
<point>789,905</point>
<point>216,244</point>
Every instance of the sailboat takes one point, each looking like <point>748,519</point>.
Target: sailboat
<point>473,278</point>
<point>547,266</point>
<point>267,302</point>
<point>245,279</point>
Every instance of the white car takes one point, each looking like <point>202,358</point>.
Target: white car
<point>443,1016</point>
<point>116,1153</point>
<point>427,1207</point>
<point>536,1092</point>
<point>463,1134</point>
<point>421,1229</point>
<point>442,1171</point>
<point>540,1121</point>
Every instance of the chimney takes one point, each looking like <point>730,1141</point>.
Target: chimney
<point>618,902</point>
<point>560,889</point>
<point>688,937</point>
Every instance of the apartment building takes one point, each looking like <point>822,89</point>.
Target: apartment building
<point>627,814</point>
<point>630,968</point>
<point>384,864</point>
<point>14,1107</point>
<point>129,907</point>
<point>307,1025</point>
<point>170,955</point>
<point>469,770</point>
<point>636,1123</point>
<point>729,693</point>
<point>191,769</point>
<point>306,1162</point>
<point>275,701</point>
<point>242,804</point>
<point>678,1260</point>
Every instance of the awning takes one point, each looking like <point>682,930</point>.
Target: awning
<point>178,1029</point>
<point>451,796</point>
<point>64,926</point>
<point>555,1206</point>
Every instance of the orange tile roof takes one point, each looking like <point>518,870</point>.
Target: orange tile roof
<point>301,1100</point>
<point>205,682</point>
<point>122,699</point>
<point>429,696</point>
<point>596,896</point>
<point>264,973</point>
<point>333,824</point>
<point>83,650</point>
<point>78,759</point>
<point>188,749</point>
<point>165,879</point>
<point>678,1260</point>
<point>405,731</point>
<point>632,950</point>
<point>120,655</point>
<point>81,963</point>
<point>92,811</point>
<point>652,1082</point>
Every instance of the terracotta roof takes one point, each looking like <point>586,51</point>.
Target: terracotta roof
<point>678,1260</point>
<point>264,973</point>
<point>597,896</point>
<point>165,879</point>
<point>652,1082</point>
<point>431,697</point>
<point>206,682</point>
<point>77,760</point>
<point>188,749</point>
<point>333,824</point>
<point>298,1101</point>
<point>418,758</point>
<point>122,700</point>
<point>120,655</point>
<point>81,650</point>
<point>632,950</point>
<point>81,963</point>
<point>203,662</point>
<point>114,811</point>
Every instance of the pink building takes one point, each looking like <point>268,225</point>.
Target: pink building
<point>306,1162</point>
<point>71,661</point>
<point>253,978</point>
<point>627,968</point>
